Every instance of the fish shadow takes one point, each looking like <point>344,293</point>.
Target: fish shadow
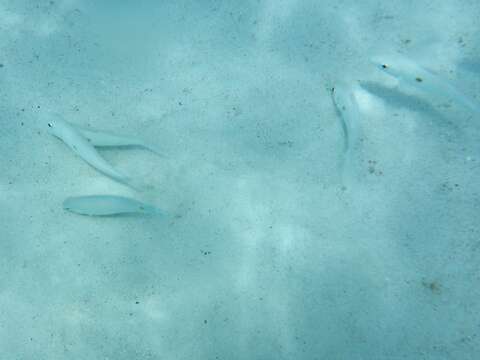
<point>471,65</point>
<point>147,149</point>
<point>398,99</point>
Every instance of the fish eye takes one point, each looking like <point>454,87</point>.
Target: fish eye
<point>384,66</point>
<point>50,125</point>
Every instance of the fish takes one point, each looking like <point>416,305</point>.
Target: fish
<point>413,74</point>
<point>106,139</point>
<point>84,149</point>
<point>107,205</point>
<point>347,108</point>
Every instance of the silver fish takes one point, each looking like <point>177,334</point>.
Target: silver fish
<point>411,73</point>
<point>349,113</point>
<point>70,136</point>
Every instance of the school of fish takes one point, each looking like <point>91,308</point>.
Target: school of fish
<point>83,141</point>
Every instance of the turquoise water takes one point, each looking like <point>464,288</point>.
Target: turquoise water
<point>289,227</point>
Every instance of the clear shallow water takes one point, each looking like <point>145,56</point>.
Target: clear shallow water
<point>265,250</point>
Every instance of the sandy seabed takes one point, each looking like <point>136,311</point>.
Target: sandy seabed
<point>265,249</point>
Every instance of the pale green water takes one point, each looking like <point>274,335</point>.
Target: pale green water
<point>270,246</point>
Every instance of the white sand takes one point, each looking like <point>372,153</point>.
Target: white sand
<point>263,254</point>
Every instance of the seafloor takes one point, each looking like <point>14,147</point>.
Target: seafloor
<point>264,250</point>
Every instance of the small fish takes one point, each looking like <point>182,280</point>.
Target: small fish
<point>409,72</point>
<point>346,105</point>
<point>107,205</point>
<point>70,136</point>
<point>106,139</point>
